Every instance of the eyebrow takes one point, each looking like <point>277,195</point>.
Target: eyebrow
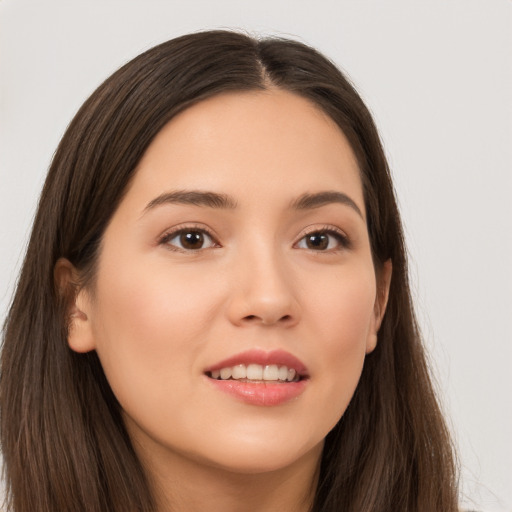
<point>309,201</point>
<point>193,197</point>
<point>223,201</point>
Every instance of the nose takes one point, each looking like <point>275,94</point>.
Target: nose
<point>263,293</point>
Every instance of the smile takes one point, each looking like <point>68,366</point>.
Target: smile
<point>260,378</point>
<point>256,373</point>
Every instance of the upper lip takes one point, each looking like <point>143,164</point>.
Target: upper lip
<point>264,358</point>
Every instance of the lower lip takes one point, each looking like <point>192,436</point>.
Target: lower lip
<point>260,393</point>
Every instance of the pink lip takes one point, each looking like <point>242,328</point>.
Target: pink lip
<point>261,393</point>
<point>278,357</point>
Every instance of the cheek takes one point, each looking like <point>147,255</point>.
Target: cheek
<point>147,327</point>
<point>154,301</point>
<point>342,305</point>
<point>343,311</point>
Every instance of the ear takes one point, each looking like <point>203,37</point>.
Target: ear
<point>78,306</point>
<point>381,301</point>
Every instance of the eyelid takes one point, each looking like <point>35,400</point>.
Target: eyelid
<point>171,233</point>
<point>343,239</point>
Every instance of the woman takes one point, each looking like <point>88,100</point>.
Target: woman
<point>214,310</point>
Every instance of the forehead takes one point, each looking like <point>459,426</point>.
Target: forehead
<point>270,140</point>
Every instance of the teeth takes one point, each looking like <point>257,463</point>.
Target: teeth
<point>256,372</point>
<point>271,372</point>
<point>239,372</point>
<point>225,373</point>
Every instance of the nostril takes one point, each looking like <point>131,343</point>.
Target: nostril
<point>268,319</point>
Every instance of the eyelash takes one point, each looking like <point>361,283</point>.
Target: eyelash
<point>180,230</point>
<point>342,240</point>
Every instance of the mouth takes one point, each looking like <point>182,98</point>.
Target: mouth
<point>260,378</point>
<point>256,373</point>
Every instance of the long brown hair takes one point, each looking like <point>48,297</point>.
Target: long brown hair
<point>63,440</point>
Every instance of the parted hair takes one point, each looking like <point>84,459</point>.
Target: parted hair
<point>64,444</point>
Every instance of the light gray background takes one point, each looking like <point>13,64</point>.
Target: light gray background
<point>437,75</point>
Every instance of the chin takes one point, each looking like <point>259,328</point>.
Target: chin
<point>258,458</point>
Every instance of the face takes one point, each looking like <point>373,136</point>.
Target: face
<point>236,297</point>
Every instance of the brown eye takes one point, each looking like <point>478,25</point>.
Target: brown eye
<point>192,240</point>
<point>317,241</point>
<point>189,240</point>
<point>325,240</point>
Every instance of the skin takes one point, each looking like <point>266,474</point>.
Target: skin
<point>160,314</point>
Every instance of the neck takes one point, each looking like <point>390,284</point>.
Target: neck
<point>183,485</point>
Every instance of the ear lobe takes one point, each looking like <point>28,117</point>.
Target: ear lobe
<point>381,301</point>
<point>80,336</point>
